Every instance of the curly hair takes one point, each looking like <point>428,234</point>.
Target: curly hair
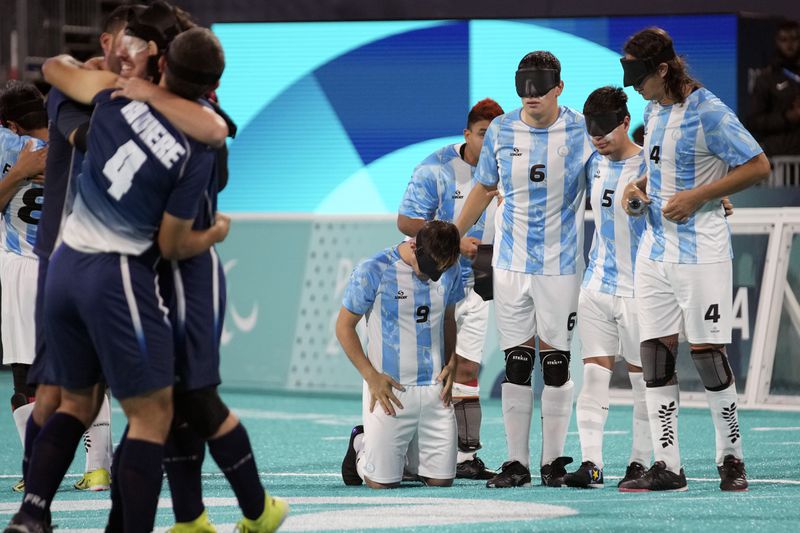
<point>486,109</point>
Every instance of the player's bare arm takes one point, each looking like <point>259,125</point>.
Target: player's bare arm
<point>635,189</point>
<point>68,75</point>
<point>476,203</point>
<point>195,120</point>
<point>409,226</point>
<point>380,385</point>
<point>448,374</point>
<point>681,206</point>
<point>29,166</point>
<point>177,240</point>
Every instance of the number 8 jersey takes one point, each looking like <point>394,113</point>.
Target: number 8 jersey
<point>22,213</point>
<point>137,167</point>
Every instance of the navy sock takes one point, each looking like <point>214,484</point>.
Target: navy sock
<point>115,516</point>
<point>49,461</point>
<point>140,476</point>
<point>234,456</point>
<point>32,430</point>
<point>183,461</point>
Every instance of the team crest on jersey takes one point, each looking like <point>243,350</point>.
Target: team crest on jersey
<point>563,151</point>
<point>597,174</point>
<point>400,295</point>
<point>516,152</point>
<point>458,195</point>
<point>677,134</point>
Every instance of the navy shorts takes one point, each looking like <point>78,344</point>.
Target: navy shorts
<point>41,371</point>
<point>104,317</point>
<point>194,290</point>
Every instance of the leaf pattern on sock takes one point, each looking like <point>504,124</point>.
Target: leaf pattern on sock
<point>667,429</point>
<point>730,418</point>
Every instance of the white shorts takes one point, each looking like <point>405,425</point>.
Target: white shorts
<point>673,297</point>
<point>472,321</point>
<point>18,277</point>
<point>424,430</point>
<point>526,305</point>
<point>608,326</point>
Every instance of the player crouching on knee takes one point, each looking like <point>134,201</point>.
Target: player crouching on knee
<point>408,295</point>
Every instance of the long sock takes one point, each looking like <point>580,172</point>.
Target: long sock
<point>663,404</point>
<point>32,430</point>
<point>467,407</point>
<point>21,416</point>
<point>52,454</point>
<point>517,401</point>
<point>97,439</point>
<point>556,412</point>
<point>642,445</point>
<point>140,476</point>
<point>591,412</point>
<point>116,520</point>
<point>183,461</point>
<point>723,405</point>
<point>234,456</point>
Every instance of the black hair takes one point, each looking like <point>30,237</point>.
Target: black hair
<point>197,62</point>
<point>606,99</point>
<point>441,241</point>
<point>23,103</point>
<point>540,59</point>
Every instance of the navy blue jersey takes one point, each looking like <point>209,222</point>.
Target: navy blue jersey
<point>63,161</point>
<point>137,167</point>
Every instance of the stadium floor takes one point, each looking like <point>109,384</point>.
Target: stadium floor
<point>299,442</point>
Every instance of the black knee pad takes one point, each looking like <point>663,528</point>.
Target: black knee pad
<point>482,270</point>
<point>713,367</point>
<point>202,409</point>
<point>658,363</point>
<point>519,365</point>
<point>468,422</point>
<point>555,367</point>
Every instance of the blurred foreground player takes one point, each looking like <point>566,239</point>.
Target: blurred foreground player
<point>697,152</point>
<point>437,190</point>
<point>408,294</point>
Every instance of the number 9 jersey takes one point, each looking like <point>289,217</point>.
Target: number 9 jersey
<point>22,213</point>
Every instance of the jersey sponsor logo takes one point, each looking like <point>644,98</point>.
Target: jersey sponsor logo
<point>458,195</point>
<point>153,134</point>
<point>515,152</point>
<point>400,295</point>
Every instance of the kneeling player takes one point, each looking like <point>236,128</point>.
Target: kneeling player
<point>408,294</point>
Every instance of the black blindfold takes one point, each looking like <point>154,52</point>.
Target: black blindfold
<point>536,82</point>
<point>636,70</point>
<point>601,124</point>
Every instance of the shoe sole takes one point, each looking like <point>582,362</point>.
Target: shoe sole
<point>735,490</point>
<point>681,489</point>
<point>508,487</point>
<point>589,486</point>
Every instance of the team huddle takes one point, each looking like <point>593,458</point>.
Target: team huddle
<point>111,278</point>
<point>659,269</point>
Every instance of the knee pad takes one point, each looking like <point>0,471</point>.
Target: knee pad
<point>468,421</point>
<point>713,367</point>
<point>555,367</point>
<point>519,365</point>
<point>658,363</point>
<point>482,270</point>
<point>202,409</point>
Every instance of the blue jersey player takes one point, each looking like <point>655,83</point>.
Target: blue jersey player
<point>437,190</point>
<point>535,157</point>
<point>408,294</point>
<point>697,152</point>
<point>103,313</point>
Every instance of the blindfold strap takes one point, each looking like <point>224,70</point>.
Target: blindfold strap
<point>189,74</point>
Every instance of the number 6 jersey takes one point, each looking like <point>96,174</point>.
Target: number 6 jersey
<point>137,167</point>
<point>21,214</point>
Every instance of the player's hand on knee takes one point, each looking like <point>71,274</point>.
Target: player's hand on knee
<point>630,192</point>
<point>727,205</point>
<point>381,391</point>
<point>682,206</point>
<point>469,246</point>
<point>447,377</point>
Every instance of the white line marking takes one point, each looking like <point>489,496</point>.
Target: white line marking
<point>777,428</point>
<point>344,437</point>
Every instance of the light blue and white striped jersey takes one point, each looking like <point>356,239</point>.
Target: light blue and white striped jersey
<point>405,315</point>
<point>688,145</point>
<point>616,235</point>
<point>541,175</point>
<point>437,190</point>
<point>22,213</point>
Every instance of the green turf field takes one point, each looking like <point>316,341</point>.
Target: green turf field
<point>299,443</point>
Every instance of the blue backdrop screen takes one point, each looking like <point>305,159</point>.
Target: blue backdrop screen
<point>334,116</point>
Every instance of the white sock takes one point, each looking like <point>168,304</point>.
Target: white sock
<point>662,408</point>
<point>465,456</point>
<point>556,412</point>
<point>591,412</point>
<point>97,439</point>
<point>642,445</point>
<point>21,415</point>
<point>723,405</point>
<point>517,403</point>
<point>461,391</point>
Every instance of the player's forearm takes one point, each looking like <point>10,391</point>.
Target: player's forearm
<point>450,335</point>
<point>409,226</point>
<point>190,244</point>
<point>474,206</point>
<point>740,178</point>
<point>195,120</point>
<point>65,73</point>
<point>351,344</point>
